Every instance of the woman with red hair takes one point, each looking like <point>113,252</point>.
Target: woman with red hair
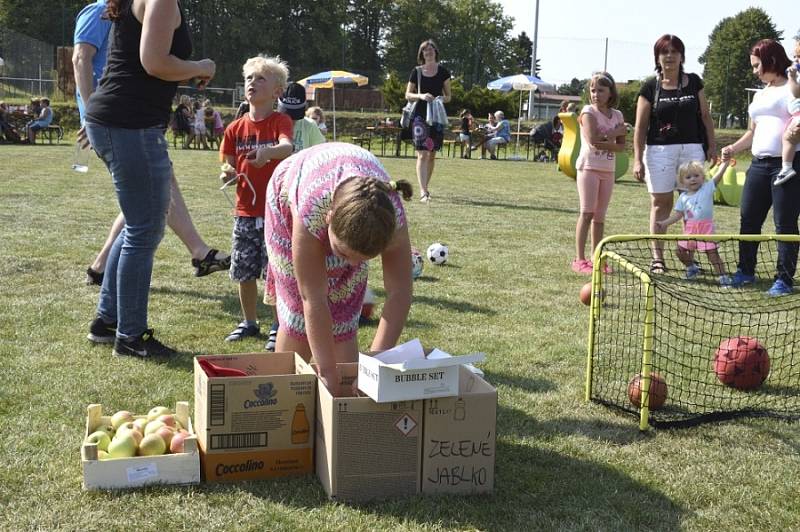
<point>672,125</point>
<point>769,115</point>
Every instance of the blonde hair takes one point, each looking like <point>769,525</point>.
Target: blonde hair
<point>311,111</point>
<point>268,66</point>
<point>604,79</point>
<point>363,215</point>
<point>690,168</point>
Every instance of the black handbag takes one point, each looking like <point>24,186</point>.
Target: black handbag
<point>410,107</point>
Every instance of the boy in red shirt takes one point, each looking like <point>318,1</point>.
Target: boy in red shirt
<point>253,146</point>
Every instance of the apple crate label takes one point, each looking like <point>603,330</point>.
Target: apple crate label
<point>141,473</point>
<point>405,424</point>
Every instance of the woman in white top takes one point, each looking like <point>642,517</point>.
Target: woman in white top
<point>768,118</point>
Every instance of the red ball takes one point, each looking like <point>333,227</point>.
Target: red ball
<point>658,390</point>
<point>741,362</point>
<point>586,294</point>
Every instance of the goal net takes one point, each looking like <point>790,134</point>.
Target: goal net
<point>703,350</point>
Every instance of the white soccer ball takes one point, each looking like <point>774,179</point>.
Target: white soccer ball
<point>438,253</point>
<point>417,263</point>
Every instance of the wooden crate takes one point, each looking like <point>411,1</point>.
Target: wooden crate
<point>120,473</point>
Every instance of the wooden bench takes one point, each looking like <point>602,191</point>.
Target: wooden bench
<point>50,131</point>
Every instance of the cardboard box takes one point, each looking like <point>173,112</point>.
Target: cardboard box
<point>459,439</point>
<point>137,471</point>
<point>407,373</point>
<point>258,426</point>
<point>366,450</point>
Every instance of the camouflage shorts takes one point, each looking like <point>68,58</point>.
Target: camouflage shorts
<point>249,250</point>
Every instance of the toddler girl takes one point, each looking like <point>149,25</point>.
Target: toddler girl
<point>790,142</point>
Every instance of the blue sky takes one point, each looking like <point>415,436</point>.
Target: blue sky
<point>572,33</point>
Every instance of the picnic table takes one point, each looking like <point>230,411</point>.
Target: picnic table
<point>387,133</point>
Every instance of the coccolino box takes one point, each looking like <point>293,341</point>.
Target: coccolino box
<point>254,416</point>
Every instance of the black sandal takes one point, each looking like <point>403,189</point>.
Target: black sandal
<point>93,277</point>
<point>657,266</point>
<point>210,264</point>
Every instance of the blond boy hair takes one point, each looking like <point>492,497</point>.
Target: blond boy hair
<point>690,168</point>
<point>268,66</point>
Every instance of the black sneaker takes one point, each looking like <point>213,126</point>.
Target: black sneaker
<point>243,331</point>
<point>272,338</point>
<point>101,332</point>
<point>144,346</point>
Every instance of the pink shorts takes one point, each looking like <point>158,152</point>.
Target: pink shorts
<point>698,227</point>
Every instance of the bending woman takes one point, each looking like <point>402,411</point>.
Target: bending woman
<point>330,209</point>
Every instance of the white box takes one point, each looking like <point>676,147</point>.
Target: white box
<point>405,373</point>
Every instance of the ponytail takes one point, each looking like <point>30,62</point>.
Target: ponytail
<point>403,187</point>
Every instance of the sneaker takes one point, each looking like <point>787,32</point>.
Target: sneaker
<point>740,279</point>
<point>211,263</point>
<point>692,271</point>
<point>101,332</point>
<point>783,177</point>
<point>242,331</point>
<point>272,338</point>
<point>144,346</point>
<point>779,288</point>
<point>725,281</point>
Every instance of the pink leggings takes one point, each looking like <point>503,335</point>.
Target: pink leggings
<point>594,190</point>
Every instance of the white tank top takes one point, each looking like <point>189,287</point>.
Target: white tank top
<point>769,112</point>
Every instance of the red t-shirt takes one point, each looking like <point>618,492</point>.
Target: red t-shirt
<point>244,135</point>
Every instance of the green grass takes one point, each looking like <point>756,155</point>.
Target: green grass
<point>562,463</point>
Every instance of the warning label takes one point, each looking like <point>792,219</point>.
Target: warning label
<point>405,424</point>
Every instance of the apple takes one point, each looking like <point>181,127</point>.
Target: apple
<point>177,443</point>
<point>153,426</point>
<point>166,433</point>
<point>157,411</point>
<point>152,445</point>
<point>129,428</point>
<point>169,420</point>
<point>123,445</point>
<point>108,429</point>
<point>123,416</point>
<point>140,423</point>
<point>102,455</point>
<point>100,438</point>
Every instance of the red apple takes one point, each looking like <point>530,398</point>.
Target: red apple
<point>177,444</point>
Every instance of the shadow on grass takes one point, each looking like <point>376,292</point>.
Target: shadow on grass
<point>450,304</point>
<point>527,384</point>
<point>504,205</point>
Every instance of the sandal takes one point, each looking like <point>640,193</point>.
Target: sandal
<point>242,331</point>
<point>657,266</point>
<point>211,263</point>
<point>94,277</point>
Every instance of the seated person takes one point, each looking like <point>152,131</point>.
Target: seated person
<point>549,135</point>
<point>42,121</point>
<point>496,134</point>
<point>182,121</point>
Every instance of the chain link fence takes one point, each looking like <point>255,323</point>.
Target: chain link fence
<point>28,67</point>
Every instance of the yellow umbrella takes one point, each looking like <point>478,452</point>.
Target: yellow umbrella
<point>329,80</point>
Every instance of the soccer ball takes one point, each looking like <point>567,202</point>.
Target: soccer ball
<point>438,253</point>
<point>658,390</point>
<point>741,362</point>
<point>417,263</point>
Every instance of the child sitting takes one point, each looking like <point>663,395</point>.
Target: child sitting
<point>253,146</point>
<point>695,206</point>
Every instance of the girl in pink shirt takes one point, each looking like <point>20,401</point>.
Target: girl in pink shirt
<point>602,134</point>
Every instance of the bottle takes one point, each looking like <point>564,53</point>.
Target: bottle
<point>459,413</point>
<point>80,162</point>
<point>300,427</point>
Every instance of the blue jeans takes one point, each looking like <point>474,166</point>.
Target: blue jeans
<point>141,170</point>
<point>758,195</point>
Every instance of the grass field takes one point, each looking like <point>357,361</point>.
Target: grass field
<point>562,463</point>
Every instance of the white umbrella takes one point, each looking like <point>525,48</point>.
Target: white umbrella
<point>519,82</point>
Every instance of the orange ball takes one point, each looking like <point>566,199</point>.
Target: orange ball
<point>586,294</point>
<point>658,390</point>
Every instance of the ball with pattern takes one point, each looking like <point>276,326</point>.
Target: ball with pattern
<point>658,390</point>
<point>417,263</point>
<point>438,253</point>
<point>741,362</point>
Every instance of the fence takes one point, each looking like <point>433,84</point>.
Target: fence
<point>28,66</point>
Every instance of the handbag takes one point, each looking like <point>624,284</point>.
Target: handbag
<point>410,107</point>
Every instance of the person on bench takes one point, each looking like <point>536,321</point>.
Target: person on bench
<point>43,121</point>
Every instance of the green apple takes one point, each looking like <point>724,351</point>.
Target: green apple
<point>100,438</point>
<point>102,455</point>
<point>152,445</point>
<point>157,411</point>
<point>123,445</point>
<point>177,444</point>
<point>166,433</point>
<point>129,428</point>
<point>108,429</point>
<point>140,423</point>
<point>153,426</point>
<point>123,416</point>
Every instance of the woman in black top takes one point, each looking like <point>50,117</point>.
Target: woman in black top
<point>125,123</point>
<point>434,81</point>
<point>672,125</point>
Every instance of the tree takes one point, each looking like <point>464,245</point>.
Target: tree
<point>518,55</point>
<point>573,88</point>
<point>727,71</point>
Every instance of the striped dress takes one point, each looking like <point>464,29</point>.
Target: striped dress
<point>301,189</point>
